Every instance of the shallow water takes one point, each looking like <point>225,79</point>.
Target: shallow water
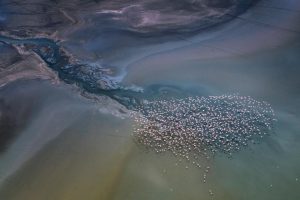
<point>72,138</point>
<point>70,150</point>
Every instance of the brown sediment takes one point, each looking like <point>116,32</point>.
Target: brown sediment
<point>27,66</point>
<point>117,174</point>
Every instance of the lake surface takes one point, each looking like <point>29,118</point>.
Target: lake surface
<point>68,133</point>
